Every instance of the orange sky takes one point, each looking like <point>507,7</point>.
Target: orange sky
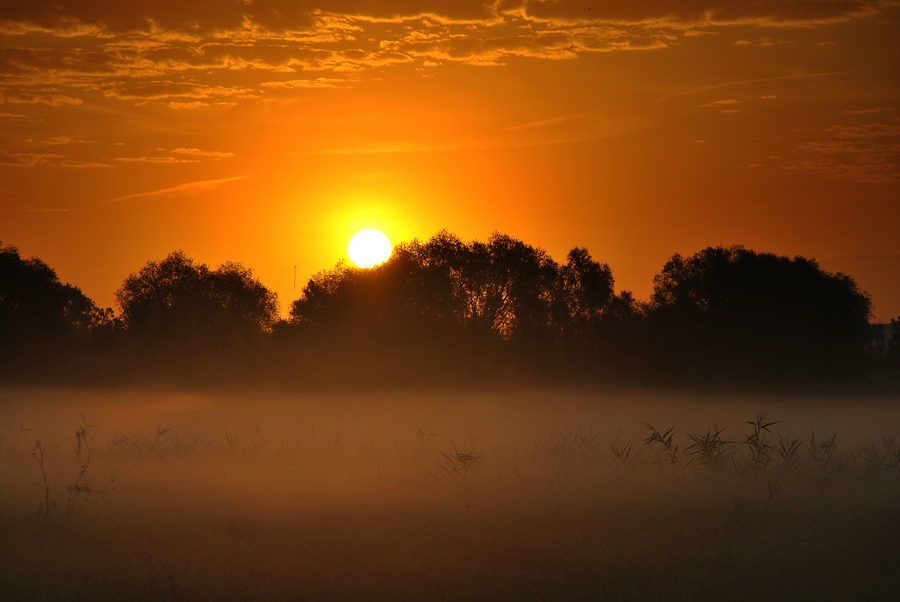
<point>269,131</point>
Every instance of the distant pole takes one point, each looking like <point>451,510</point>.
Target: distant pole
<point>294,298</point>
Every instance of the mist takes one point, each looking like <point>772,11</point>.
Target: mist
<point>493,492</point>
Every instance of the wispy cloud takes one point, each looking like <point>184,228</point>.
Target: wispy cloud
<point>55,141</point>
<point>13,116</point>
<point>27,159</point>
<point>186,188</point>
<point>728,105</point>
<point>21,209</point>
<point>161,160</point>
<point>870,110</point>
<point>54,100</point>
<point>74,163</point>
<point>747,82</point>
<point>863,153</point>
<point>196,152</point>
<point>319,82</point>
<point>543,123</point>
<point>765,13</point>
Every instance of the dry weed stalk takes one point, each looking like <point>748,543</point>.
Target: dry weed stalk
<point>457,463</point>
<point>77,491</point>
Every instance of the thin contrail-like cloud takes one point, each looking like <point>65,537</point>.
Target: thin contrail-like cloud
<point>174,189</point>
<point>757,81</point>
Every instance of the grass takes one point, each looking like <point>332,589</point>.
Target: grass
<point>739,512</point>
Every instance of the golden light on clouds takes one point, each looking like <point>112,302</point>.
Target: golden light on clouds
<point>267,132</point>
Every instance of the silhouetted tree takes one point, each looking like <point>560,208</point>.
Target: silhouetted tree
<point>502,287</point>
<point>892,355</point>
<point>506,287</point>
<point>721,315</point>
<point>465,301</point>
<point>598,329</point>
<point>178,301</point>
<point>37,310</point>
<point>431,276</point>
<point>728,313</point>
<point>496,302</point>
<point>584,292</point>
<point>588,286</point>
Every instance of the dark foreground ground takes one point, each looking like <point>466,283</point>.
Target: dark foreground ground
<point>475,495</point>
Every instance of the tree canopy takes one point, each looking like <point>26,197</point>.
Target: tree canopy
<point>731,310</point>
<point>725,314</point>
<point>37,309</point>
<point>502,287</point>
<point>502,292</point>
<point>448,308</point>
<point>179,301</point>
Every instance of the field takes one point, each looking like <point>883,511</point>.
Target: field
<point>490,494</point>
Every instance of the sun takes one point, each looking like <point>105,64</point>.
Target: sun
<point>368,248</point>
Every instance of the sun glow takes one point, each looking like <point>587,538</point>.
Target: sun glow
<point>368,248</point>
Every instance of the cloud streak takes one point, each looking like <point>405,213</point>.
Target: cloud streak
<point>186,188</point>
<point>14,159</point>
<point>862,153</point>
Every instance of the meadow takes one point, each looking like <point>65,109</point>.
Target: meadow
<point>451,494</point>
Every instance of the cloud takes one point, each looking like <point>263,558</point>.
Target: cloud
<point>13,116</point>
<point>759,42</point>
<point>166,160</point>
<point>21,209</point>
<point>196,155</point>
<point>164,90</point>
<point>188,106</point>
<point>11,159</point>
<point>724,106</point>
<point>57,140</point>
<point>27,159</point>
<point>186,188</point>
<point>82,164</point>
<point>146,38</point>
<point>867,168</point>
<point>203,54</point>
<point>54,100</point>
<point>24,61</point>
<point>863,153</point>
<point>871,130</point>
<point>549,122</point>
<point>786,13</point>
<point>319,82</point>
<point>870,110</point>
<point>196,152</point>
<point>100,18</point>
<point>746,82</point>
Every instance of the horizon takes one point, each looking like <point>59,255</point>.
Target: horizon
<point>284,308</point>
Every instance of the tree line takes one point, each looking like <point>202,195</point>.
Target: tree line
<point>452,310</point>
